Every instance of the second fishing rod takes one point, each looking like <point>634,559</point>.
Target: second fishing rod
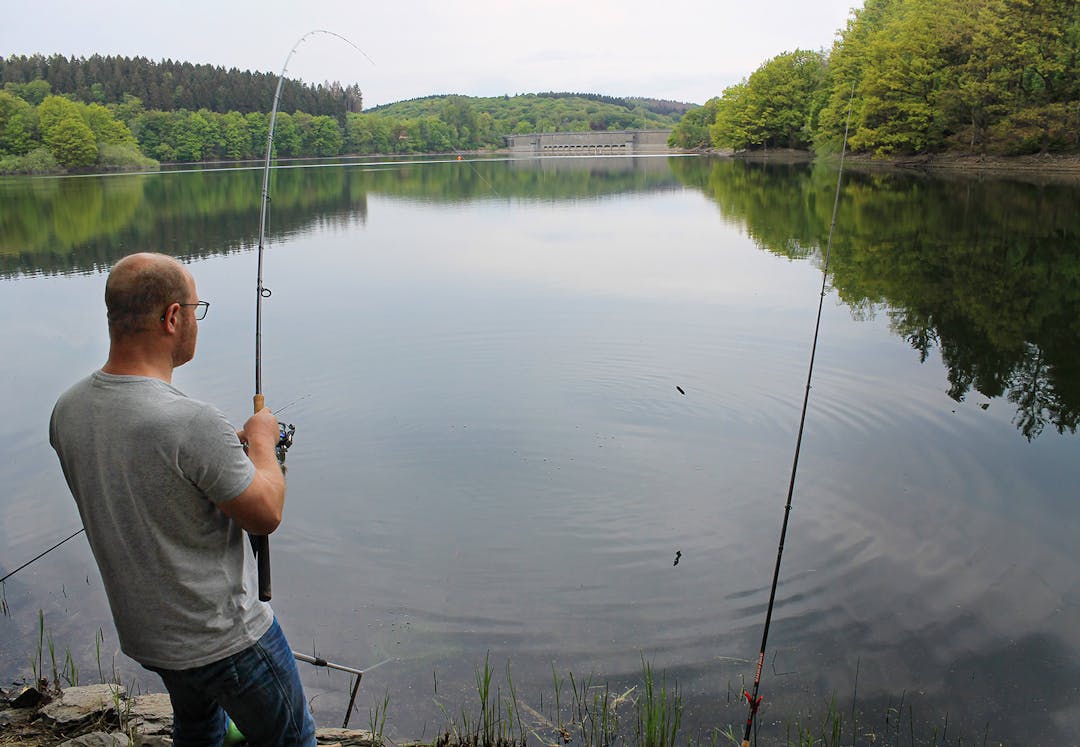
<point>753,698</point>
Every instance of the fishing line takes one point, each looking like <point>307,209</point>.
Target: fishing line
<point>754,700</point>
<point>462,159</point>
<point>259,542</point>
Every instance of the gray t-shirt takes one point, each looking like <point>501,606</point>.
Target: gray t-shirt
<point>148,466</point>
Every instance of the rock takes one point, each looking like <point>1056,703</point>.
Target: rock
<point>77,705</point>
<point>97,739</point>
<point>154,741</point>
<point>346,737</point>
<point>116,739</point>
<point>15,716</point>
<point>151,714</point>
<point>28,697</point>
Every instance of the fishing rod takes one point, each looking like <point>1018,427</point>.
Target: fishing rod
<point>42,555</point>
<point>260,543</point>
<point>754,700</point>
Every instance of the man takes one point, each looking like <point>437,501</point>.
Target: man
<point>164,486</point>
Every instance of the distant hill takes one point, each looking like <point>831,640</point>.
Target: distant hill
<point>547,112</point>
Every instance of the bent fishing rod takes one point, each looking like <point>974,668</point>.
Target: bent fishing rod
<point>754,699</point>
<point>260,543</point>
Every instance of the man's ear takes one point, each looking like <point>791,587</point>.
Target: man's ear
<point>170,317</point>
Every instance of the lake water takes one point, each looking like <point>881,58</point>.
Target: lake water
<point>494,458</point>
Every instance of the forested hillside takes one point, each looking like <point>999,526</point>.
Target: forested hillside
<point>550,112</point>
<point>168,85</point>
<point>103,113</point>
<point>924,76</point>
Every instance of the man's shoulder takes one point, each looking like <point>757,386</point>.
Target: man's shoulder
<point>121,397</point>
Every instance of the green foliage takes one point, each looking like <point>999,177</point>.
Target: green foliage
<point>167,85</point>
<point>481,122</point>
<point>323,137</point>
<point>774,107</point>
<point>124,157</point>
<point>17,125</point>
<point>71,141</point>
<point>692,131</point>
<point>106,127</point>
<point>71,132</point>
<point>983,76</point>
<point>160,114</point>
<point>37,161</point>
<point>32,92</point>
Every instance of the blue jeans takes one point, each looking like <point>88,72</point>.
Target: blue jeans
<point>259,688</point>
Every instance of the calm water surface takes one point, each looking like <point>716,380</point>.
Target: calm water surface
<point>493,458</point>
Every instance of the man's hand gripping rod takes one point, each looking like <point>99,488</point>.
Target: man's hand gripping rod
<point>260,543</point>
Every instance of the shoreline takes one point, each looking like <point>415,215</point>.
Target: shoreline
<point>1048,166</point>
<point>1059,166</point>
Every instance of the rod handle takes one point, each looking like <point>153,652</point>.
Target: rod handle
<point>262,557</point>
<point>260,542</point>
<point>746,743</point>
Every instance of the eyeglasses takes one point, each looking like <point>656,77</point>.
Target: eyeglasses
<point>201,307</point>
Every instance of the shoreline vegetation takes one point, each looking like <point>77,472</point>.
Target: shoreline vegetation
<point>54,707</point>
<point>579,712</point>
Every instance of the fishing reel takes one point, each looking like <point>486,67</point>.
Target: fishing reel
<point>285,440</point>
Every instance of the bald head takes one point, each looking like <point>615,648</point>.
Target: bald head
<point>139,288</point>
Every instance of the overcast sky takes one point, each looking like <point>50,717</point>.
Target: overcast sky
<point>670,49</point>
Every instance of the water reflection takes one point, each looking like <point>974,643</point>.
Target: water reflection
<point>983,271</point>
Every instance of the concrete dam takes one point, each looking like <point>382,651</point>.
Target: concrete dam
<point>593,143</point>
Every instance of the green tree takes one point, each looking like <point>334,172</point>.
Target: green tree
<point>904,68</point>
<point>847,60</point>
<point>457,112</point>
<point>106,127</point>
<point>325,137</point>
<point>235,135</point>
<point>17,125</point>
<point>1029,53</point>
<point>33,92</point>
<point>692,131</point>
<point>53,109</point>
<point>287,138</point>
<point>153,131</point>
<point>72,142</point>
<point>774,106</point>
<point>731,127</point>
<point>258,126</point>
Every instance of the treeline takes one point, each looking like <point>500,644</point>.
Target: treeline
<point>922,76</point>
<point>167,85</point>
<point>93,132</point>
<point>60,134</point>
